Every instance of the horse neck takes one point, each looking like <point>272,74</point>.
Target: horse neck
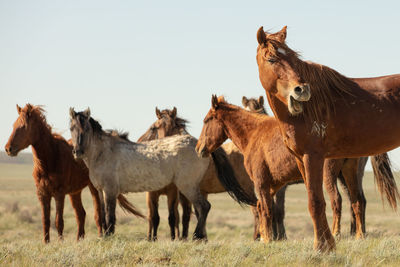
<point>97,144</point>
<point>239,126</point>
<point>280,110</point>
<point>42,145</point>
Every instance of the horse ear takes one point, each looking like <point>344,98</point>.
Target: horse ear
<point>281,35</point>
<point>158,113</point>
<point>29,109</point>
<point>72,113</point>
<point>86,113</point>
<point>173,114</point>
<point>261,36</point>
<point>261,100</point>
<point>19,109</point>
<point>245,101</point>
<point>214,101</point>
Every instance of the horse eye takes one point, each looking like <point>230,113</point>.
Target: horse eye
<point>272,60</point>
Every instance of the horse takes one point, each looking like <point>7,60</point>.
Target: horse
<point>168,124</point>
<point>353,170</point>
<point>118,165</point>
<point>324,114</point>
<point>55,171</point>
<point>173,196</point>
<point>267,160</point>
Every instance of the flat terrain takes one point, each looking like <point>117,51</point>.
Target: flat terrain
<point>229,228</point>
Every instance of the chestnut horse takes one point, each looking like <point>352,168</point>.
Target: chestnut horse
<point>324,114</point>
<point>267,160</point>
<point>168,124</point>
<point>55,171</point>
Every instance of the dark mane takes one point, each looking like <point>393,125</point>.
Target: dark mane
<point>98,129</point>
<point>325,83</point>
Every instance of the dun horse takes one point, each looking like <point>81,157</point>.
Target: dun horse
<point>323,114</point>
<point>55,171</point>
<point>169,124</point>
<point>268,162</point>
<point>118,165</point>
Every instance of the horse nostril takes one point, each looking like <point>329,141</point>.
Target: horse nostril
<point>298,89</point>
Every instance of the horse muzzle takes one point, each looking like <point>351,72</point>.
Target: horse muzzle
<point>11,151</point>
<point>300,93</point>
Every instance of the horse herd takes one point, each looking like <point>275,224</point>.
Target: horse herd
<point>325,126</point>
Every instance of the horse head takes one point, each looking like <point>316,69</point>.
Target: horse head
<point>213,134</point>
<point>277,70</point>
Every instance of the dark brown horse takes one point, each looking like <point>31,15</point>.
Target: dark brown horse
<point>168,124</point>
<point>55,171</point>
<point>268,162</point>
<point>159,129</point>
<point>323,114</point>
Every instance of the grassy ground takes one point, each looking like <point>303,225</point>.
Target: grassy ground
<point>229,230</point>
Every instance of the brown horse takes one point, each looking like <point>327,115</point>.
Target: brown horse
<point>353,170</point>
<point>55,171</point>
<point>267,160</point>
<point>323,114</point>
<point>168,124</point>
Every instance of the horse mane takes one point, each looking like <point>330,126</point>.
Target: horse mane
<point>228,106</point>
<point>98,129</point>
<point>39,112</point>
<point>148,135</point>
<point>326,84</point>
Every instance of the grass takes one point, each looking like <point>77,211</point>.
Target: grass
<point>229,230</point>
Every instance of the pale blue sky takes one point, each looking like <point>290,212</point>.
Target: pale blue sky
<point>123,58</point>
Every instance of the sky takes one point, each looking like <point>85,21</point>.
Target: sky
<point>124,58</point>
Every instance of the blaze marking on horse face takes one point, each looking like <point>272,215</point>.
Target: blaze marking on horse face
<point>282,51</point>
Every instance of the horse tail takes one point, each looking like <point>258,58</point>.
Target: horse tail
<point>384,179</point>
<point>126,206</point>
<point>226,176</point>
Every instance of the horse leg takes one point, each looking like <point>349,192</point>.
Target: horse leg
<point>45,201</point>
<point>279,214</point>
<point>186,212</point>
<point>80,213</point>
<point>103,210</point>
<point>97,208</point>
<point>256,234</point>
<point>173,214</point>
<point>357,199</point>
<point>313,167</point>
<point>202,207</point>
<point>59,214</point>
<point>332,169</point>
<point>110,203</point>
<point>154,218</point>
<point>264,206</point>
